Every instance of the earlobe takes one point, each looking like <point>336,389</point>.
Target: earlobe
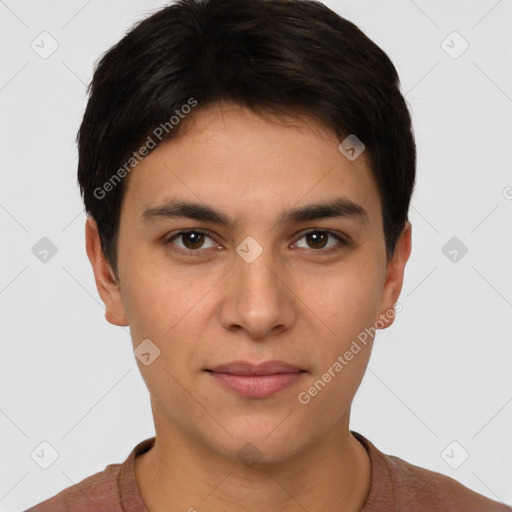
<point>106,283</point>
<point>394,278</point>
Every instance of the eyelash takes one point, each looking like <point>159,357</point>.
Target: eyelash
<point>189,252</point>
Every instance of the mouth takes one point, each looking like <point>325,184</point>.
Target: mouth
<point>247,368</point>
<point>256,381</point>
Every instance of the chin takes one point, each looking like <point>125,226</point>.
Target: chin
<point>260,441</point>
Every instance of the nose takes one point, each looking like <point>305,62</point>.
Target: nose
<point>259,297</point>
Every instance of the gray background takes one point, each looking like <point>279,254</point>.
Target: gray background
<point>440,374</point>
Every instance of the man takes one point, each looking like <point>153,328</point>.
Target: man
<point>247,168</point>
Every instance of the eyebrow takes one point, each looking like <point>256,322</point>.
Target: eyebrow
<point>340,207</point>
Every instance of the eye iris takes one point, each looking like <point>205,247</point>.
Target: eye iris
<point>315,237</point>
<point>197,239</point>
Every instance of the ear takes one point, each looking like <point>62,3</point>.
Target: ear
<point>106,283</point>
<point>395,277</point>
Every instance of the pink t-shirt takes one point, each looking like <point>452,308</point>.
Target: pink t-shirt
<point>396,486</point>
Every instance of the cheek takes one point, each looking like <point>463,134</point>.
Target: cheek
<point>346,301</point>
<point>160,296</point>
<point>166,311</point>
<point>349,312</point>
<point>171,310</point>
<point>327,397</point>
<point>348,306</point>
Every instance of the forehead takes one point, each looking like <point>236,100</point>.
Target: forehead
<point>241,161</point>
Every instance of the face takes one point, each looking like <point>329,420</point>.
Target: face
<point>268,285</point>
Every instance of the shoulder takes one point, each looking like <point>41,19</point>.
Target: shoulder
<point>400,485</point>
<point>113,489</point>
<point>96,492</point>
<point>414,484</point>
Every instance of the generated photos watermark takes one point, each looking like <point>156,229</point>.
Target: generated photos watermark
<point>158,133</point>
<point>305,397</point>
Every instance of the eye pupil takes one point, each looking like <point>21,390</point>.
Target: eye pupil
<point>198,239</point>
<point>315,236</point>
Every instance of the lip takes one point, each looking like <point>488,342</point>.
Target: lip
<point>256,381</point>
<point>247,368</point>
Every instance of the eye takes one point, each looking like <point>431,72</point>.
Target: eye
<point>192,240</point>
<point>318,239</point>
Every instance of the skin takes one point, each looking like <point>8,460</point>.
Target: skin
<point>294,303</point>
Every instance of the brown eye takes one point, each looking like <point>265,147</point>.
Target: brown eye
<point>190,240</point>
<point>317,241</point>
<point>193,240</point>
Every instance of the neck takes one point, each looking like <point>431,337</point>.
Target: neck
<point>180,473</point>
